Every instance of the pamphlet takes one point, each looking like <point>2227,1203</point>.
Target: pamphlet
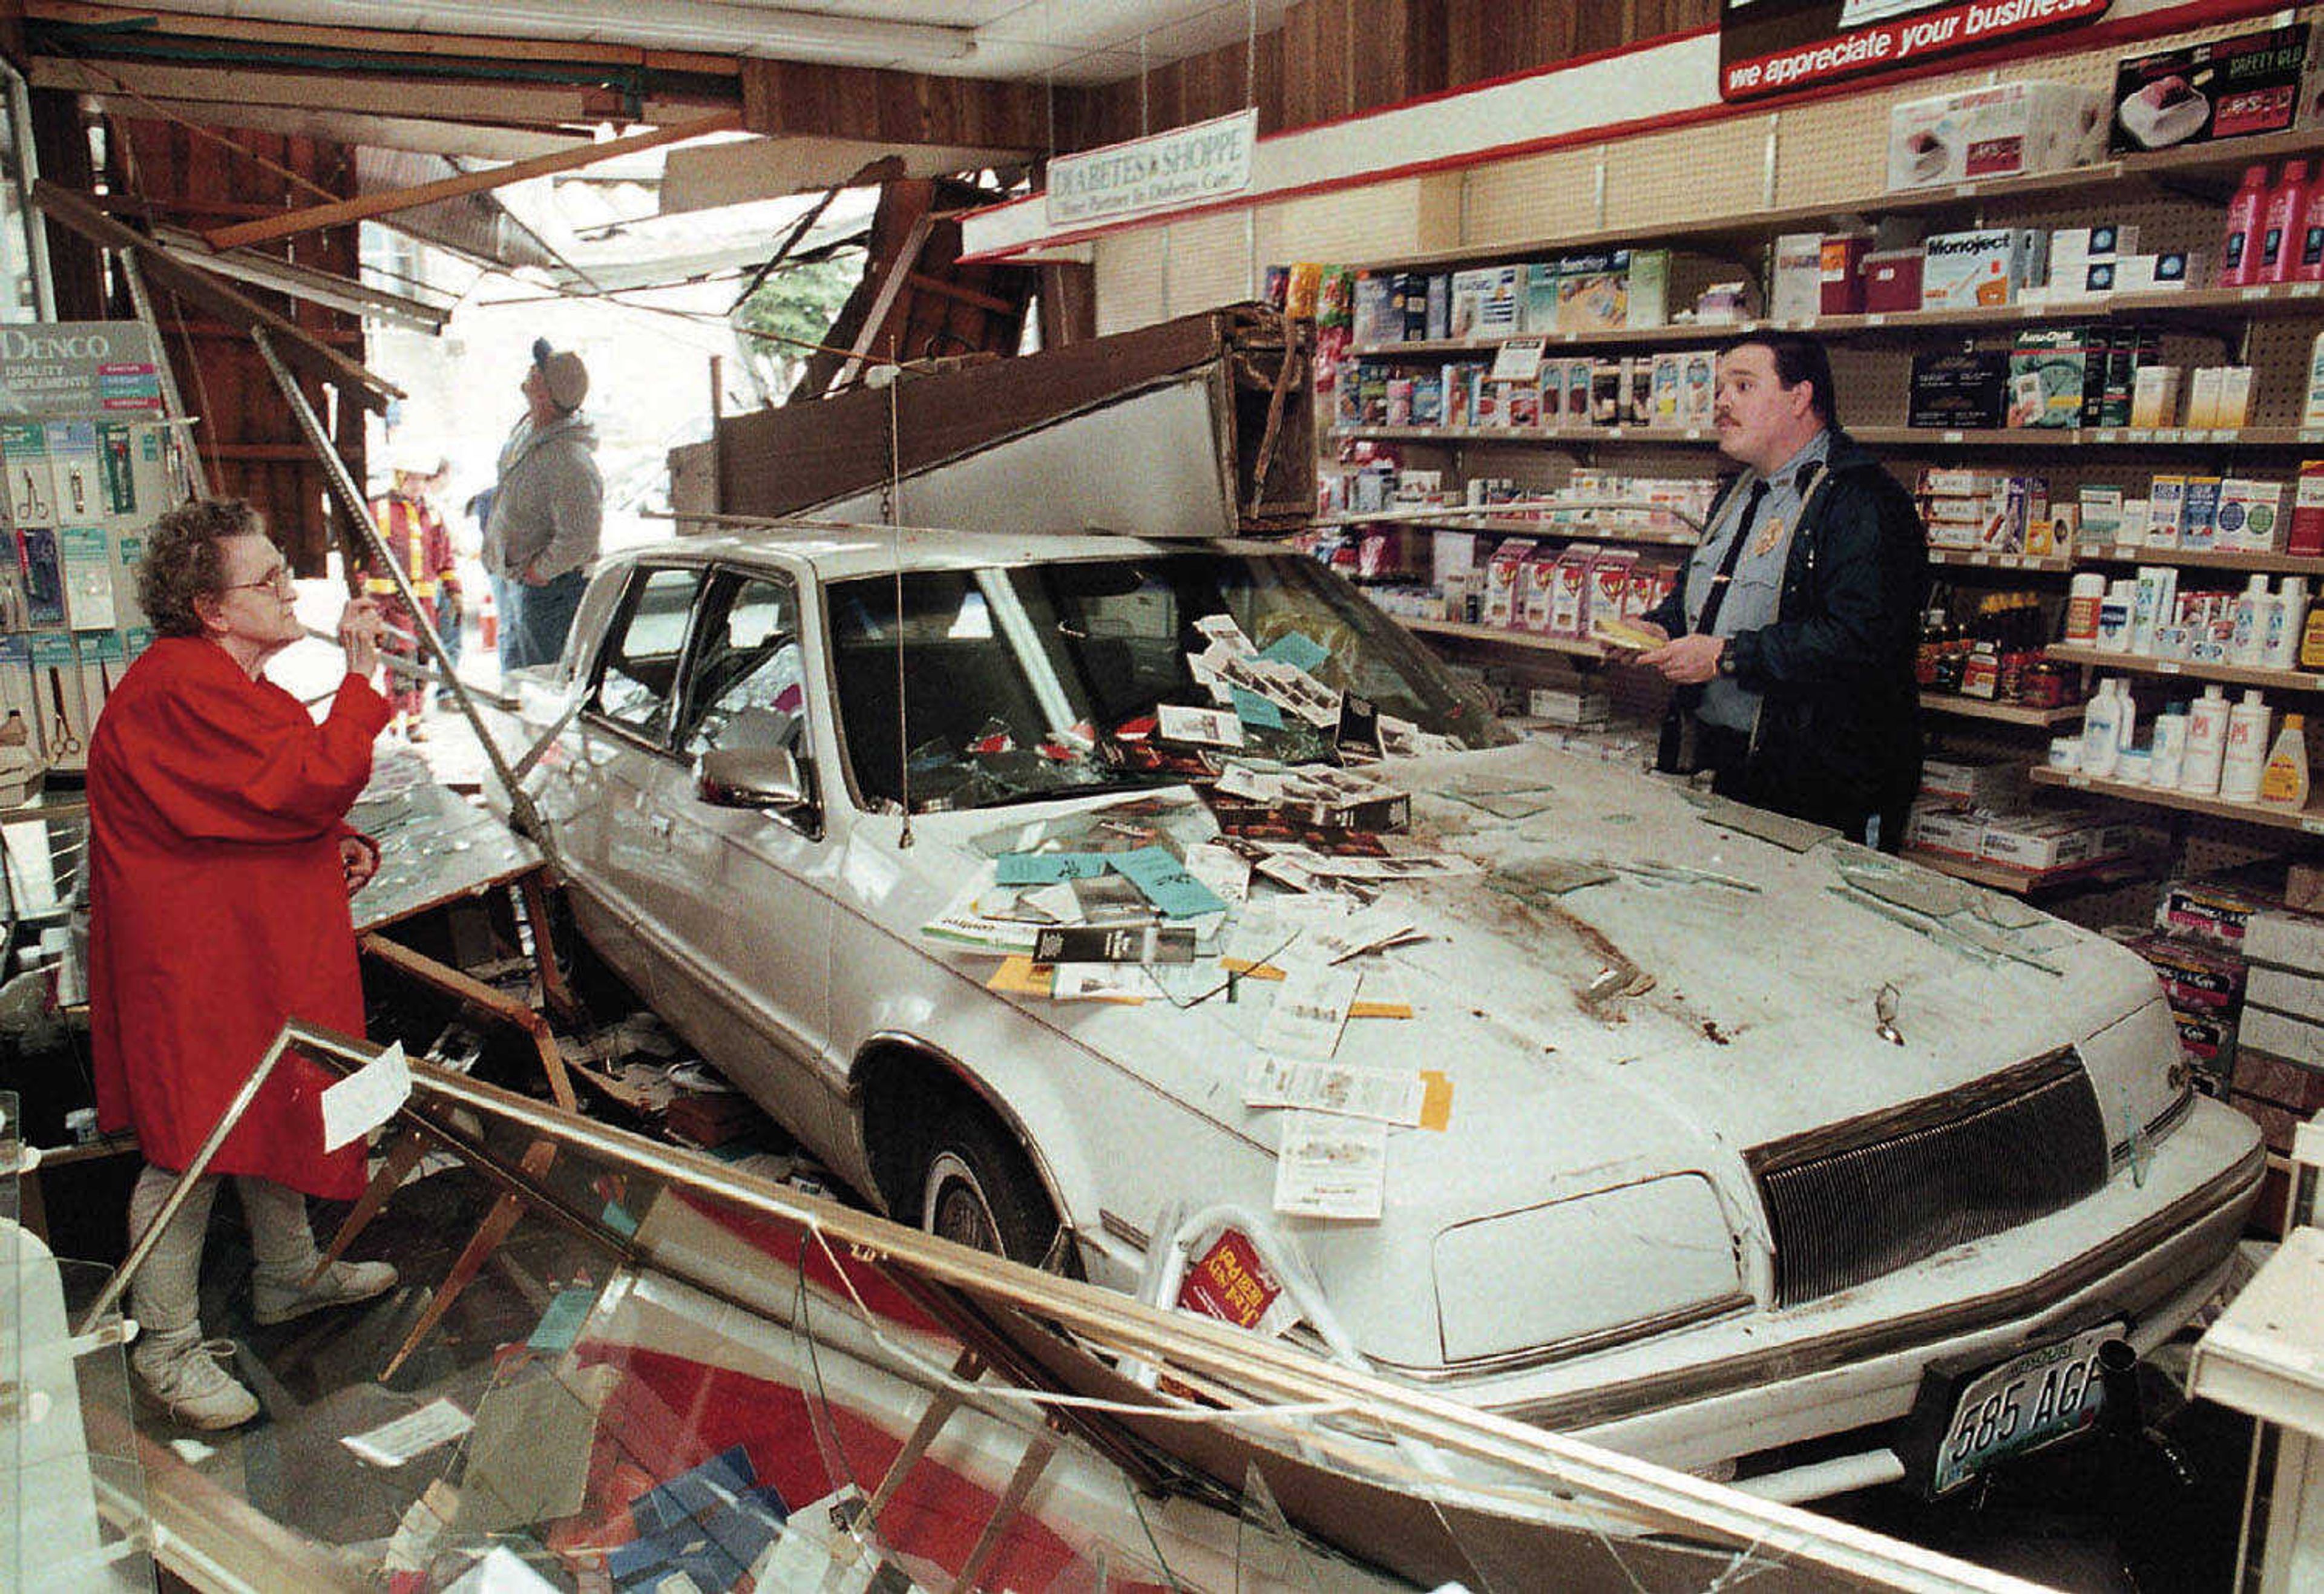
<point>1210,726</point>
<point>1310,1011</point>
<point>355,1106</point>
<point>390,1444</point>
<point>1327,1167</point>
<point>1381,1093</point>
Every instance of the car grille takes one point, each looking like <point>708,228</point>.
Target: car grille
<point>1857,1199</point>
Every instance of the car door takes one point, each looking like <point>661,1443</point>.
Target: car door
<point>744,893</point>
<point>617,846</point>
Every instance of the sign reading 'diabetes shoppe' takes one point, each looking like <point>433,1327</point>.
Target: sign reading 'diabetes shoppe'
<point>78,367</point>
<point>1781,46</point>
<point>1184,166</point>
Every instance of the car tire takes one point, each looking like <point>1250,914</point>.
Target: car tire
<point>978,1188</point>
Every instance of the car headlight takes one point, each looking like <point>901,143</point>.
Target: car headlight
<point>2138,1070</point>
<point>1614,1264</point>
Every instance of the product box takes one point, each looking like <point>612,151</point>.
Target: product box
<point>2203,397</point>
<point>1841,291</point>
<point>1594,292</point>
<point>1541,576</point>
<point>1961,270</point>
<point>2197,978</point>
<point>1698,387</point>
<point>2217,910</point>
<point>1570,589</point>
<point>2128,348</point>
<point>1428,399</point>
<point>2198,512</point>
<point>1668,370</point>
<point>1649,288</point>
<point>2101,515</point>
<point>1610,384</point>
<point>1990,782</point>
<point>1485,301</point>
<point>1965,391</point>
<point>1505,578</point>
<point>2154,396</point>
<point>1943,830</point>
<point>1795,277</point>
<point>1609,585</point>
<point>1580,384</point>
<point>2252,83</point>
<point>2038,841</point>
<point>1379,310</point>
<point>2049,370</point>
<point>1637,390</point>
<point>2280,1034</point>
<point>2004,131</point>
<point>1440,305</point>
<point>2285,939</point>
<point>2251,515</point>
<point>2166,501</point>
<point>2290,991</point>
<point>1892,281</point>
<point>1539,314</point>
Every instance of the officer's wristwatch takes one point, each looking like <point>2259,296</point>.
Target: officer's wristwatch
<point>1726,664</point>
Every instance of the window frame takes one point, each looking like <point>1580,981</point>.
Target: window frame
<point>641,576</point>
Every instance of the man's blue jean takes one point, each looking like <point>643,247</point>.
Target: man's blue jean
<point>543,616</point>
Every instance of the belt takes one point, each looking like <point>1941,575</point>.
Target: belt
<point>380,585</point>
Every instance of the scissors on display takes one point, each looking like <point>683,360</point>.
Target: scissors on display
<point>64,740</point>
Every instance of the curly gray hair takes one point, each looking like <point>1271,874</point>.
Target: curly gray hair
<point>183,561</point>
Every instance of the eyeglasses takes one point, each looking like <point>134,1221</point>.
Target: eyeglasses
<point>279,579</point>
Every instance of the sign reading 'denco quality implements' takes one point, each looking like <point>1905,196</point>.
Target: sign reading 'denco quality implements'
<point>78,367</point>
<point>1184,166</point>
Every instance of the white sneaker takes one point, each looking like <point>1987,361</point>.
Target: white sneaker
<point>343,1284</point>
<point>179,1373</point>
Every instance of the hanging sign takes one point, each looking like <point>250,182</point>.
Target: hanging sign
<point>1184,166</point>
<point>1768,47</point>
<point>78,368</point>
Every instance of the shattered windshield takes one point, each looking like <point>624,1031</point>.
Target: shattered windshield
<point>1036,681</point>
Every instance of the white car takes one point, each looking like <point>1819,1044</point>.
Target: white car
<point>1747,1145</point>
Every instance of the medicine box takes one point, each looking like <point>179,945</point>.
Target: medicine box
<point>1960,270</point>
<point>2003,131</point>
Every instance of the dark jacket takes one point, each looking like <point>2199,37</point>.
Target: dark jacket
<point>1837,736</point>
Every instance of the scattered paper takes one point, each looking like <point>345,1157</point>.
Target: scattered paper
<point>1022,976</point>
<point>355,1106</point>
<point>1225,633</point>
<point>390,1444</point>
<point>501,1571</point>
<point>1167,883</point>
<point>560,1326</point>
<point>1125,944</point>
<point>1060,902</point>
<point>1101,983</point>
<point>1297,650</point>
<point>1381,1093</point>
<point>1042,868</point>
<point>1358,933</point>
<point>1310,1011</point>
<point>1252,709</point>
<point>1209,726</point>
<point>1327,1167</point>
<point>1227,873</point>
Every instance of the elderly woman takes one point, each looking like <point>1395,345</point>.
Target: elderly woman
<point>220,867</point>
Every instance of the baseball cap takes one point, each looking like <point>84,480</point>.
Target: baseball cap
<point>567,377</point>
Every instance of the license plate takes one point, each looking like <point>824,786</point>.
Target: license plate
<point>2021,1406</point>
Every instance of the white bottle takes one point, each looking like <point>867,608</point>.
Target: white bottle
<point>2251,623</point>
<point>2207,744</point>
<point>2286,623</point>
<point>2167,759</point>
<point>2154,599</point>
<point>2246,751</point>
<point>2102,730</point>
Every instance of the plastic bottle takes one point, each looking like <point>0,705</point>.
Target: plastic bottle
<point>2279,238</point>
<point>2310,266</point>
<point>2167,758</point>
<point>2251,623</point>
<point>2102,730</point>
<point>2237,258</point>
<point>2125,719</point>
<point>2207,744</point>
<point>2285,780</point>
<point>2083,597</point>
<point>2245,759</point>
<point>2287,622</point>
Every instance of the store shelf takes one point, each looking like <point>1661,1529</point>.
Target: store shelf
<point>1511,524</point>
<point>2275,816</point>
<point>2223,161</point>
<point>2026,883</point>
<point>1980,558</point>
<point>1530,640</point>
<point>2005,713</point>
<point>2206,559</point>
<point>1902,437</point>
<point>2282,680</point>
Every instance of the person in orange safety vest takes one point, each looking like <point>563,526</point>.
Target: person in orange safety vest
<point>418,541</point>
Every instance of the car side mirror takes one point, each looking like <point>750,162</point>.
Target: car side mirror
<point>753,778</point>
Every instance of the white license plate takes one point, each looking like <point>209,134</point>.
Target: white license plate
<point>2022,1404</point>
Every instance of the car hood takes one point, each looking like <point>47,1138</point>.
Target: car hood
<point>1649,1023</point>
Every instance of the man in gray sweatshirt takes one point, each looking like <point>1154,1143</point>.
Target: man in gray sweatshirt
<point>547,511</point>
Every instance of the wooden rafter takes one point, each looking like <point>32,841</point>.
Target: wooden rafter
<point>339,214</point>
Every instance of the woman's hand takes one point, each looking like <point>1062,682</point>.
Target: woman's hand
<point>358,861</point>
<point>360,631</point>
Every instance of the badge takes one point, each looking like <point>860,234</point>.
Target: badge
<point>1769,536</point>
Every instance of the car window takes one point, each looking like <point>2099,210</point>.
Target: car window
<point>637,683</point>
<point>746,687</point>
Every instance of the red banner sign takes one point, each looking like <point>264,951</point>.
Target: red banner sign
<point>1769,47</point>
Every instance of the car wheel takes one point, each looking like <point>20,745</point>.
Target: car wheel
<point>979,1190</point>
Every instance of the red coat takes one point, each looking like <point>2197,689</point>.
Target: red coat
<point>217,907</point>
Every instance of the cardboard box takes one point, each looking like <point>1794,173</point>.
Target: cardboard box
<point>1594,292</point>
<point>2252,83</point>
<point>2197,979</point>
<point>1954,833</point>
<point>1962,271</point>
<point>2037,841</point>
<point>1841,274</point>
<point>1966,391</point>
<point>2154,396</point>
<point>2286,990</point>
<point>2004,131</point>
<point>2280,1034</point>
<point>1485,301</point>
<point>2049,373</point>
<point>1795,276</point>
<point>2286,939</point>
<point>2213,910</point>
<point>1979,782</point>
<point>1892,281</point>
<point>2251,515</point>
<point>1505,577</point>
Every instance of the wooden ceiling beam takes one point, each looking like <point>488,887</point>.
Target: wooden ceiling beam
<point>886,107</point>
<point>499,104</point>
<point>210,294</point>
<point>339,213</point>
<point>390,41</point>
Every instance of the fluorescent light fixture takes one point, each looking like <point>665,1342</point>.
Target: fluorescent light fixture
<point>713,24</point>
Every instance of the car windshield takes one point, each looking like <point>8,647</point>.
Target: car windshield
<point>1038,680</point>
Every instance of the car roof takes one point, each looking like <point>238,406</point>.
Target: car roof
<point>835,552</point>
